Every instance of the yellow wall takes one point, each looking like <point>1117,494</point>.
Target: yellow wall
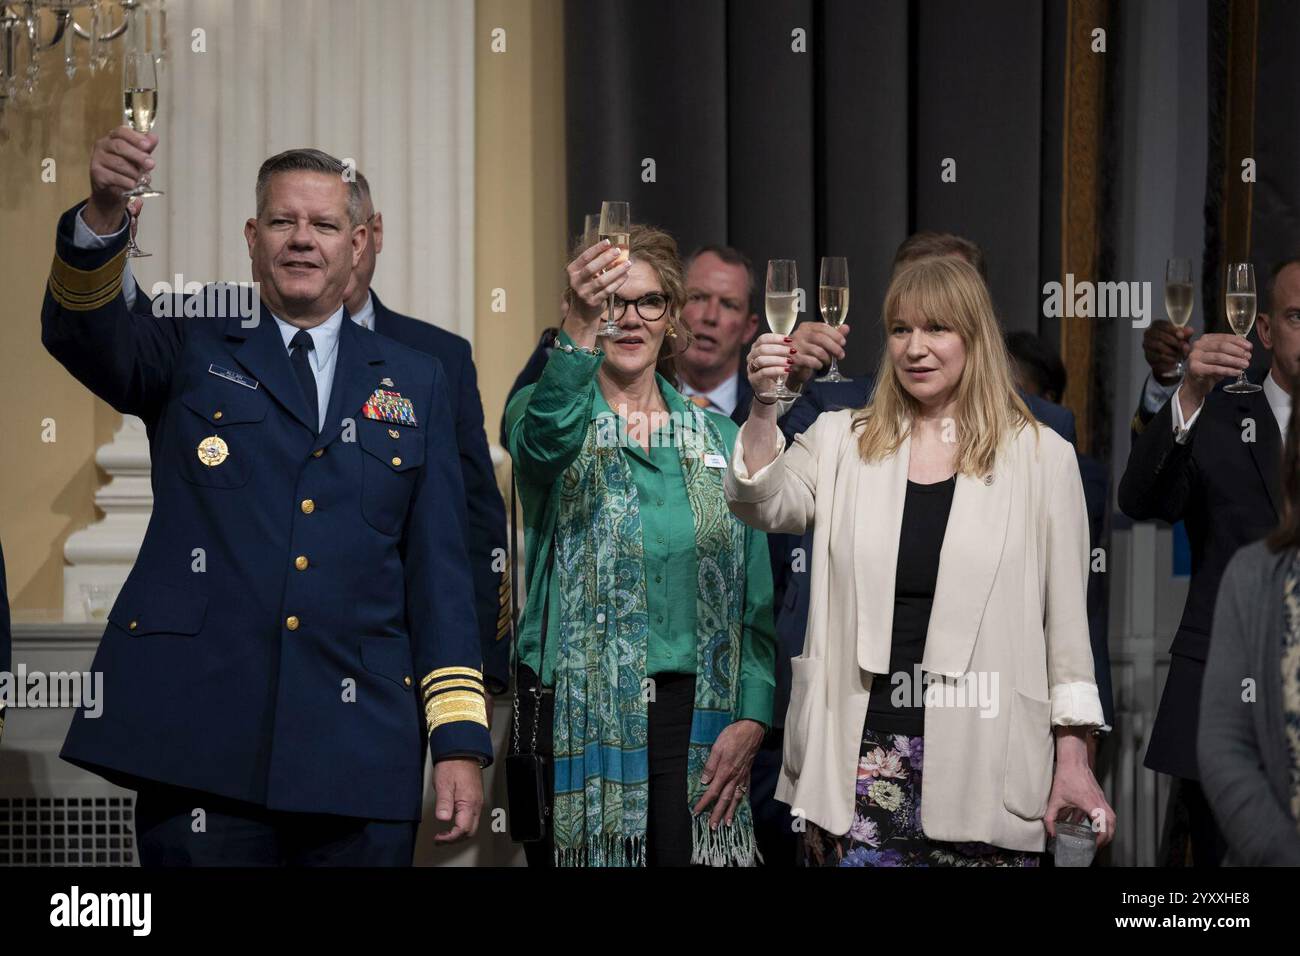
<point>519,200</point>
<point>46,489</point>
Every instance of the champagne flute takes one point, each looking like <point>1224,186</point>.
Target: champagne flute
<point>1178,297</point>
<point>782,307</point>
<point>1239,303</point>
<point>140,111</point>
<point>615,224</point>
<point>833,298</point>
<point>590,229</point>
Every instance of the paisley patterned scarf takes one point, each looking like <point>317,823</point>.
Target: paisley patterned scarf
<point>601,691</point>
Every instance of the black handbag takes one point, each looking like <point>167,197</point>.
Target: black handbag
<point>528,794</point>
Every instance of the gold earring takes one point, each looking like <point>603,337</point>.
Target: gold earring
<point>672,331</point>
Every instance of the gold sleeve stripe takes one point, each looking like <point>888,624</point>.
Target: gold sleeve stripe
<point>450,682</point>
<point>445,672</point>
<point>86,285</point>
<point>84,303</point>
<point>462,705</point>
<point>79,298</point>
<point>461,684</point>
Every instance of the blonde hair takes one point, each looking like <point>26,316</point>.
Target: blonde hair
<point>947,290</point>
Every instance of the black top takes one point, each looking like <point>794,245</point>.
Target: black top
<point>925,519</point>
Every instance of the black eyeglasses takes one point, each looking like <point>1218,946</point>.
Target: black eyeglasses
<point>651,306</point>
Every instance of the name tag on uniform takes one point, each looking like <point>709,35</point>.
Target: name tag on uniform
<point>714,461</point>
<point>232,376</point>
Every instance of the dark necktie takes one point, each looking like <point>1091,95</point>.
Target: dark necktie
<point>300,345</point>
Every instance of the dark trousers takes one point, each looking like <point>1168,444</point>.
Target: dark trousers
<point>773,825</point>
<point>1192,837</point>
<point>177,827</point>
<point>668,734</point>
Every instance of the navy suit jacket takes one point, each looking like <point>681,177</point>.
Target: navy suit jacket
<point>300,617</point>
<point>791,586</point>
<point>530,373</point>
<point>486,541</point>
<point>1227,492</point>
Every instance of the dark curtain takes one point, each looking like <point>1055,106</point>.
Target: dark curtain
<point>832,151</point>
<point>1275,219</point>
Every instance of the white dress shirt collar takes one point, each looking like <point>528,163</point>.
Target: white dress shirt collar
<point>1279,402</point>
<point>722,399</point>
<point>365,316</point>
<point>325,338</point>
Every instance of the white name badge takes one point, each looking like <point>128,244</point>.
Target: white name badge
<point>714,461</point>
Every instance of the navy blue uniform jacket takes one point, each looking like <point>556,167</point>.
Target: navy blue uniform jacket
<point>486,540</point>
<point>300,615</point>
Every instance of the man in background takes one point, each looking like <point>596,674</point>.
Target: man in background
<point>722,318</point>
<point>1211,459</point>
<point>486,537</point>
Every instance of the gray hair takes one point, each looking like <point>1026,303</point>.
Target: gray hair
<point>363,185</point>
<point>310,161</point>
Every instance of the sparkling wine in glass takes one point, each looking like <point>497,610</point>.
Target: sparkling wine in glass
<point>782,306</point>
<point>833,298</point>
<point>1239,303</point>
<point>615,225</point>
<point>140,107</point>
<point>1178,297</point>
<point>139,111</point>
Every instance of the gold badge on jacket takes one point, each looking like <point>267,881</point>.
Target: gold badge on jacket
<point>213,451</point>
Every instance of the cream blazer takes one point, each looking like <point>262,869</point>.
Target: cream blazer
<point>1008,635</point>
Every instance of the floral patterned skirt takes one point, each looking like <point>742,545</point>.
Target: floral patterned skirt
<point>886,828</point>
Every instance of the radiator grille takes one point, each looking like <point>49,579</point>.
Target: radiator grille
<point>67,831</point>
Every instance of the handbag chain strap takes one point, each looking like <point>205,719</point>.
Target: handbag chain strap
<point>536,690</point>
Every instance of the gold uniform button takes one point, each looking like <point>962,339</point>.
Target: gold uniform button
<point>216,415</point>
<point>394,433</point>
<point>133,625</point>
<point>300,562</point>
<point>396,461</point>
<point>318,452</point>
<point>308,506</point>
<point>406,681</point>
<point>291,622</point>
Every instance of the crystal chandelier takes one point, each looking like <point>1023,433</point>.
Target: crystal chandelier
<point>30,28</point>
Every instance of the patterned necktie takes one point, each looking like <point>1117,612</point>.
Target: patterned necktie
<point>701,400</point>
<point>300,345</point>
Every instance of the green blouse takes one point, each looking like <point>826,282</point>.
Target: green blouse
<point>547,424</point>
